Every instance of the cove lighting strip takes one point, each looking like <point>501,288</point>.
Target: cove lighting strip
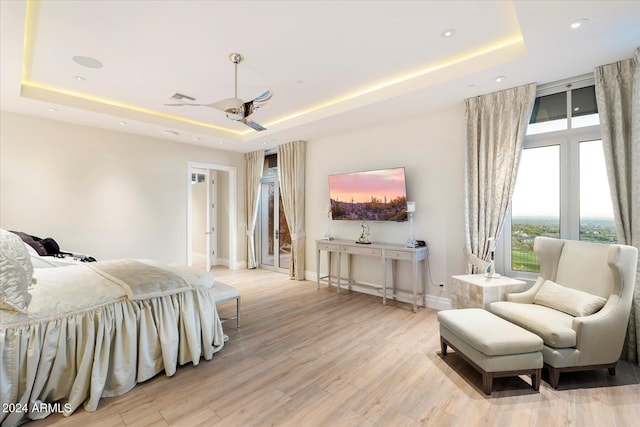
<point>30,18</point>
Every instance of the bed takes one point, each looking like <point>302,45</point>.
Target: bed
<point>71,335</point>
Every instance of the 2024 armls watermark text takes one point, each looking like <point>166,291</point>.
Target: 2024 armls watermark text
<point>35,407</point>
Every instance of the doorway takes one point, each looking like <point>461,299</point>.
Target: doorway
<point>211,216</point>
<point>204,213</point>
<point>274,235</point>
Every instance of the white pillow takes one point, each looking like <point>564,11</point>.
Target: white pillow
<point>16,273</point>
<point>568,300</point>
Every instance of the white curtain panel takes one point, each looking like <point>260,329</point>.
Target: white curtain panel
<point>496,125</point>
<point>618,98</point>
<point>254,162</point>
<point>291,170</point>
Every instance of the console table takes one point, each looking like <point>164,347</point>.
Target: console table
<point>384,252</point>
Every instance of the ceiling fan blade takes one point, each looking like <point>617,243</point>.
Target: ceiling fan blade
<point>228,105</point>
<point>247,121</point>
<point>262,99</point>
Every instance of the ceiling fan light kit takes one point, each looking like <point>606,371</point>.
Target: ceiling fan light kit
<point>234,108</point>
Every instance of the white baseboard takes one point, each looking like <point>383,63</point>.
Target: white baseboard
<point>239,265</point>
<point>202,258</point>
<point>438,303</point>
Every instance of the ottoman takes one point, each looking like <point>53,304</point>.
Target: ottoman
<point>491,345</point>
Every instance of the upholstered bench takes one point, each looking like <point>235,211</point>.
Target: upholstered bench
<point>491,345</point>
<point>222,293</point>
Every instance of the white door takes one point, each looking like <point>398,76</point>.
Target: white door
<point>212,228</point>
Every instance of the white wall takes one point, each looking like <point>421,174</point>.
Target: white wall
<point>106,193</point>
<point>116,195</point>
<point>431,148</point>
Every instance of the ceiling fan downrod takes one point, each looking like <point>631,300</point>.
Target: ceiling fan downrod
<point>236,58</point>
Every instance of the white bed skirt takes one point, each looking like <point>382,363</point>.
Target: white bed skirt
<point>102,352</point>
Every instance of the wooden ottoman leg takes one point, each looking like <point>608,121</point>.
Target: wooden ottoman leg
<point>554,376</point>
<point>443,346</point>
<point>487,382</point>
<point>535,379</point>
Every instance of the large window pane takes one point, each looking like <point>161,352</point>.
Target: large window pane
<point>584,110</point>
<point>596,211</point>
<point>535,207</point>
<point>549,114</point>
<point>267,222</point>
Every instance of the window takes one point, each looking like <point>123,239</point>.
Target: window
<point>535,204</point>
<point>549,114</point>
<point>596,210</point>
<point>562,189</point>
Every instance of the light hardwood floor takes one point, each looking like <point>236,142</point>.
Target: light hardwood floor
<point>313,358</point>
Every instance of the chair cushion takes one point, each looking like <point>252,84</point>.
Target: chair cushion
<point>584,266</point>
<point>553,326</point>
<point>16,273</point>
<point>568,300</point>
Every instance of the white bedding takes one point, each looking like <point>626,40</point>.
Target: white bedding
<point>141,280</point>
<point>62,291</point>
<point>82,338</point>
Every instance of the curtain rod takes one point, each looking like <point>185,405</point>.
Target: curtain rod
<point>567,83</point>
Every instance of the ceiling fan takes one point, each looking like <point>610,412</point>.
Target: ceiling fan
<point>235,108</point>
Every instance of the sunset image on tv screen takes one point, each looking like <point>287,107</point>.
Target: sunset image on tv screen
<point>378,195</point>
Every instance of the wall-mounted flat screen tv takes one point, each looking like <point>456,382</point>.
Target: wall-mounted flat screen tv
<point>376,195</point>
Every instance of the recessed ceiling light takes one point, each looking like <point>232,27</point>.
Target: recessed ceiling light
<point>86,61</point>
<point>578,23</point>
<point>123,123</point>
<point>499,79</point>
<point>195,138</point>
<point>448,32</point>
<point>52,109</point>
<point>79,78</point>
<point>170,132</point>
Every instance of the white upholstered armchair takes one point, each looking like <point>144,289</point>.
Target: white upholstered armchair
<point>579,305</point>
